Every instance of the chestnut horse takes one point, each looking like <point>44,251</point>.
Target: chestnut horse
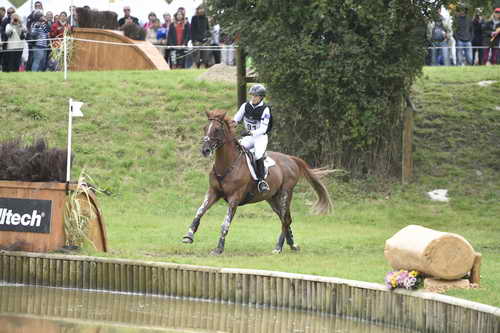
<point>231,180</point>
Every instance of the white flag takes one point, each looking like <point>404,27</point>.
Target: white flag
<point>75,108</point>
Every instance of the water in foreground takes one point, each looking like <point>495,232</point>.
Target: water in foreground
<point>44,310</point>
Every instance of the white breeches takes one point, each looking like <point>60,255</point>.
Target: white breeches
<point>259,143</point>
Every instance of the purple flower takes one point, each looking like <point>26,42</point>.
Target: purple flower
<point>400,279</point>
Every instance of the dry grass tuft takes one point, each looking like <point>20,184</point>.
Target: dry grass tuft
<point>78,212</point>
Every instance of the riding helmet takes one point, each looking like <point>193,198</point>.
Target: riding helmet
<point>257,90</point>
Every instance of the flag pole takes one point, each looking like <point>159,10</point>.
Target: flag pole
<point>70,125</point>
<point>65,55</point>
<point>71,12</point>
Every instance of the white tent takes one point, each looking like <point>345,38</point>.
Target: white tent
<point>6,4</point>
<point>139,8</point>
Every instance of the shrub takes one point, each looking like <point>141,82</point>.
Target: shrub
<point>133,31</point>
<point>36,162</point>
<point>88,18</point>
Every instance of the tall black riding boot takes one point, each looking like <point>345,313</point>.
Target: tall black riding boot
<point>262,186</point>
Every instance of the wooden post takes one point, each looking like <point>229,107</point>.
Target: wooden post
<point>407,163</point>
<point>241,70</point>
<point>475,274</point>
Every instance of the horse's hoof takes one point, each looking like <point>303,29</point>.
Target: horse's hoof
<point>216,252</point>
<point>295,248</point>
<point>187,240</point>
<point>276,251</point>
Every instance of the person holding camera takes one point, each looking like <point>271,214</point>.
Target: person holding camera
<point>16,34</point>
<point>3,25</point>
<point>438,33</point>
<point>40,34</point>
<point>38,8</point>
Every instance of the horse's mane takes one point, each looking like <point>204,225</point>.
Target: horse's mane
<point>222,115</point>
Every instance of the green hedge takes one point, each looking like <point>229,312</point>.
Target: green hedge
<point>338,72</point>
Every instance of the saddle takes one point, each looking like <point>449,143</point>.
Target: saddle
<point>250,158</point>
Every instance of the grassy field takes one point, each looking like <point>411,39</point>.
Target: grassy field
<point>140,139</point>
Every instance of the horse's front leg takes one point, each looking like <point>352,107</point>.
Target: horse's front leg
<point>225,228</point>
<point>210,198</point>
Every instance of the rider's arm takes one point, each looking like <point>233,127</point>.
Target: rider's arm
<point>239,115</point>
<point>264,122</point>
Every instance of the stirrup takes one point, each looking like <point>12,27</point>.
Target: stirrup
<point>262,186</point>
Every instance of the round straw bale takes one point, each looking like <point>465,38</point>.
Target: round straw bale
<point>439,254</point>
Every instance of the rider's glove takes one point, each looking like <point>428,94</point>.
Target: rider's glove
<point>245,133</point>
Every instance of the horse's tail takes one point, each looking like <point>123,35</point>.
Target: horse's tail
<point>324,204</point>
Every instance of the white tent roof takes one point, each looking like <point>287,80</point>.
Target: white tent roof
<point>6,4</point>
<point>139,8</point>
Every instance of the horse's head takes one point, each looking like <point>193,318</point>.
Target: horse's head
<point>216,132</point>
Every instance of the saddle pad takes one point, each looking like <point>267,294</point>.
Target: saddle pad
<point>268,162</point>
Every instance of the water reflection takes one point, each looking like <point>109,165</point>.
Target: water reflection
<point>48,310</point>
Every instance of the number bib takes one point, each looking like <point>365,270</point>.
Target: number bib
<point>251,125</point>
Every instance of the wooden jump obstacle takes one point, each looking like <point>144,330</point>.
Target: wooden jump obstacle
<point>32,216</point>
<point>93,56</point>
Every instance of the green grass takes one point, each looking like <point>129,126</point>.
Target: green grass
<point>140,138</point>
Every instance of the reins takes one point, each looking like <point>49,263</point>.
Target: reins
<point>220,178</point>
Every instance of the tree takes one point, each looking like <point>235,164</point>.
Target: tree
<point>338,72</point>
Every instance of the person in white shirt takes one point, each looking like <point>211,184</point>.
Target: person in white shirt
<point>16,34</point>
<point>256,116</point>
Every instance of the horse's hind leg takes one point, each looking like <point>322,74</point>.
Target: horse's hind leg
<point>281,206</point>
<point>210,198</point>
<point>289,234</point>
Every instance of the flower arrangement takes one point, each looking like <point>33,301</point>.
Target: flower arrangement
<point>403,279</point>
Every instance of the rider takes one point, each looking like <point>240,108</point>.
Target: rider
<point>256,116</point>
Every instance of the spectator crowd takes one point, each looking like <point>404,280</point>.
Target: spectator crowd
<point>34,37</point>
<point>462,39</point>
<point>31,44</point>
<point>179,38</point>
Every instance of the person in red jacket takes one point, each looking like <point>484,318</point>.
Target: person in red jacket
<point>179,34</point>
<point>57,29</point>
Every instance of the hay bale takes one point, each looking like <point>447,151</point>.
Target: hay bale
<point>439,254</point>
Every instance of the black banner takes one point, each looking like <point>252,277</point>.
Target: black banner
<point>25,215</point>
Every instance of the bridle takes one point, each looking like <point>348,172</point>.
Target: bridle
<point>217,143</point>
